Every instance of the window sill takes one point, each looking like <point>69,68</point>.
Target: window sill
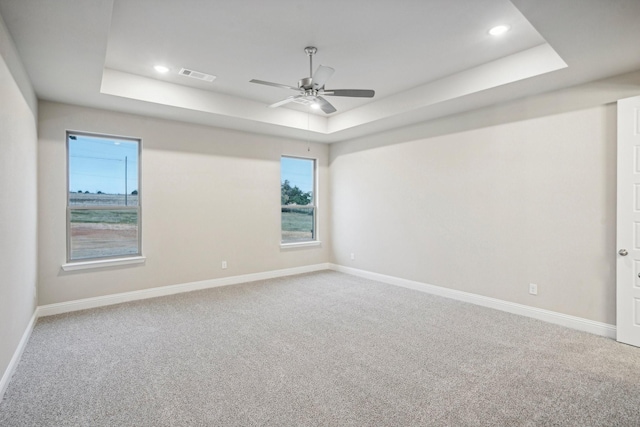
<point>85,265</point>
<point>300,244</point>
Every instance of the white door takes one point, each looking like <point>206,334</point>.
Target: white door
<point>628,222</point>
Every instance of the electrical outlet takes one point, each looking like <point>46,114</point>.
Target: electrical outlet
<point>224,264</point>
<point>533,289</point>
<point>353,256</point>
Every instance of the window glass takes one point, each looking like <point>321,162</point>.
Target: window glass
<point>103,210</point>
<point>297,200</point>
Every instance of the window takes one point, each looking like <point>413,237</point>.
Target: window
<point>103,203</point>
<point>298,199</point>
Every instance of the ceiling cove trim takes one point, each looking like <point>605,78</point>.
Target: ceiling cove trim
<point>132,86</point>
<point>529,63</point>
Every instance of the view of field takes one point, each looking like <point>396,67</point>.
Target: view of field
<point>297,225</point>
<point>297,199</point>
<point>103,232</point>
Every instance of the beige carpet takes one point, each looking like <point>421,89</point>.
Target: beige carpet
<point>321,349</point>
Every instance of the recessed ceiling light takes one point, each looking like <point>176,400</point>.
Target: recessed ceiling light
<point>161,69</point>
<point>498,30</point>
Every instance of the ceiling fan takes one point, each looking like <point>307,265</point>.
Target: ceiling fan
<point>311,89</point>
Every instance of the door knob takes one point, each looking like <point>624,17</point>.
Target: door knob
<point>623,252</point>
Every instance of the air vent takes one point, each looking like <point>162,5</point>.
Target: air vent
<point>197,75</point>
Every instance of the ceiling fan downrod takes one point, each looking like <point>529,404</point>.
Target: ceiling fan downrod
<point>310,51</point>
<point>305,83</point>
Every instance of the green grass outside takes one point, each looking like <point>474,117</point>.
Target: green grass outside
<point>104,216</point>
<point>297,225</point>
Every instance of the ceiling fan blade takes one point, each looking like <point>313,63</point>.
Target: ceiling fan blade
<point>357,93</point>
<point>321,76</point>
<point>325,105</point>
<point>262,82</point>
<point>284,101</point>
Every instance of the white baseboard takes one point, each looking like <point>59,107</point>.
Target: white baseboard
<point>579,323</point>
<point>13,363</point>
<point>83,304</point>
<point>566,320</point>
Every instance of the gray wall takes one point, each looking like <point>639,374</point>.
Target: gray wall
<point>18,218</point>
<point>489,201</point>
<point>208,195</point>
<point>485,202</point>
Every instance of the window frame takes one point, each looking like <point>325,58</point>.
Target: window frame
<point>103,261</point>
<point>315,240</point>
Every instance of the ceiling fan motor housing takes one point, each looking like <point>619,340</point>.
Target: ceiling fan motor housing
<point>305,83</point>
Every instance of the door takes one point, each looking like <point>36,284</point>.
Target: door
<point>628,222</point>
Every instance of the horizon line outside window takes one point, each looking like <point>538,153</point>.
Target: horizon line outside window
<point>103,197</point>
<point>298,205</point>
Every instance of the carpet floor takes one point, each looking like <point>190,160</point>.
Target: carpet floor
<point>319,349</point>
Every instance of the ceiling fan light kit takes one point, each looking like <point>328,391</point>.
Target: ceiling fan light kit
<point>311,89</point>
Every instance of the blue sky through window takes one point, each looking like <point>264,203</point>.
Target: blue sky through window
<point>299,172</point>
<point>98,164</point>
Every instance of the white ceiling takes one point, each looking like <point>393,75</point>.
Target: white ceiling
<point>424,59</point>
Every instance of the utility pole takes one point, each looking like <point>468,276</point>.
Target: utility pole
<point>126,193</point>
